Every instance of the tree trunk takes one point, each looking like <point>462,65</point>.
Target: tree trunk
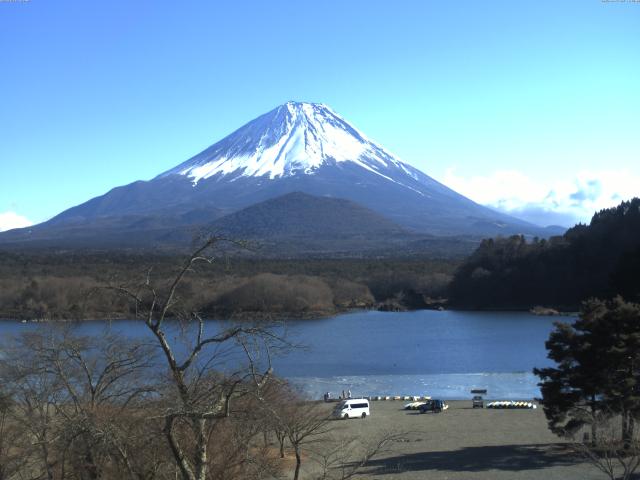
<point>47,463</point>
<point>628,425</point>
<point>281,439</point>
<point>178,454</point>
<point>90,466</point>
<point>201,448</point>
<point>298,462</point>
<point>594,430</point>
<point>626,420</point>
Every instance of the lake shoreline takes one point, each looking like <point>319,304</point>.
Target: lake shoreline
<point>296,316</point>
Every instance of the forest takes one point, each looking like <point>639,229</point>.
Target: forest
<point>74,285</point>
<point>504,273</point>
<point>601,260</point>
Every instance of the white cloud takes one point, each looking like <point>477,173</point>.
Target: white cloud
<point>549,200</point>
<point>9,220</point>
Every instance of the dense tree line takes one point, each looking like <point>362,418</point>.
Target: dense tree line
<point>601,259</point>
<point>64,285</point>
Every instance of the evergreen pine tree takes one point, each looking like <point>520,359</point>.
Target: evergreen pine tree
<point>598,368</point>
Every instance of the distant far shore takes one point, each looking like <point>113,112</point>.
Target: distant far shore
<point>282,316</point>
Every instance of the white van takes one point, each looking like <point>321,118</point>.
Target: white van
<point>352,408</point>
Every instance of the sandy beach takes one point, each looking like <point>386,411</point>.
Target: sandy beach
<point>466,443</point>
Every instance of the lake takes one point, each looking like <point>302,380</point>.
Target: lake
<point>439,353</point>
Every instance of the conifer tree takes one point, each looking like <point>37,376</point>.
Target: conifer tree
<point>597,371</point>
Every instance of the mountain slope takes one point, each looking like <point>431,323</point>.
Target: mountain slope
<point>297,147</point>
<point>299,214</point>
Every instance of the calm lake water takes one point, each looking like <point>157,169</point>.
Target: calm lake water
<point>442,354</point>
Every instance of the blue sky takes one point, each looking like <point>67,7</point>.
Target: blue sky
<point>531,107</point>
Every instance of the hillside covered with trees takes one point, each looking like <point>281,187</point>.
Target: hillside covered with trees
<point>601,259</point>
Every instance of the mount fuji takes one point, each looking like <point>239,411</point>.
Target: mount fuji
<point>297,147</point>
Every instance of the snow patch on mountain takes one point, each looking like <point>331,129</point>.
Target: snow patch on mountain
<point>295,138</point>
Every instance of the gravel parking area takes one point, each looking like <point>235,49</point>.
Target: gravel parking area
<point>466,443</point>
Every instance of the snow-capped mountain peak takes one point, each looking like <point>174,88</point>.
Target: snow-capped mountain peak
<point>295,150</point>
<point>294,138</point>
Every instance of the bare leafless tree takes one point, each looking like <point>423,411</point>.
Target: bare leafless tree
<point>34,395</point>
<point>75,396</point>
<point>307,428</point>
<point>201,387</point>
<point>616,456</point>
<point>292,419</point>
<point>13,440</point>
<point>184,402</point>
<point>306,424</point>
<point>341,457</point>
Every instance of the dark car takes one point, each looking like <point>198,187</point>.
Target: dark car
<point>435,406</point>
<point>478,402</point>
